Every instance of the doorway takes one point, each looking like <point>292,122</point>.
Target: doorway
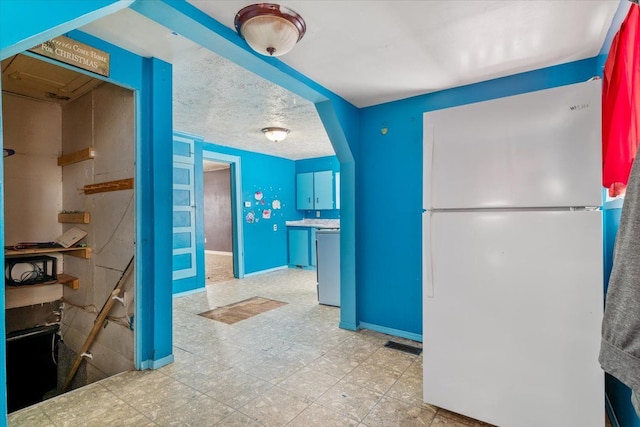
<point>72,142</point>
<point>218,224</point>
<point>221,220</point>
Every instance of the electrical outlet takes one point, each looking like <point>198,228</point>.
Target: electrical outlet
<point>275,227</point>
<point>317,214</point>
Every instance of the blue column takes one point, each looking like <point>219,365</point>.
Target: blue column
<point>154,219</point>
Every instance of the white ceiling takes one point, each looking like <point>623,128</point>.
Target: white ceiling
<point>368,52</point>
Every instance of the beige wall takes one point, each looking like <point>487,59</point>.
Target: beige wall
<point>32,177</point>
<point>102,119</point>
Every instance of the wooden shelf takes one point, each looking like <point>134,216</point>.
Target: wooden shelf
<point>78,156</point>
<point>79,252</point>
<point>22,296</point>
<point>120,184</point>
<point>74,217</point>
<point>69,281</point>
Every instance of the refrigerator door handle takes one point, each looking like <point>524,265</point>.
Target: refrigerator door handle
<point>427,255</point>
<point>427,171</point>
<point>427,162</point>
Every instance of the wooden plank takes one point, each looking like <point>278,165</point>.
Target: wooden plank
<point>79,252</point>
<point>74,217</point>
<point>79,156</point>
<point>98,324</point>
<point>120,184</point>
<point>69,281</point>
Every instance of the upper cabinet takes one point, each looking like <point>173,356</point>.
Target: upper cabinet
<point>323,189</point>
<point>315,191</point>
<point>304,191</point>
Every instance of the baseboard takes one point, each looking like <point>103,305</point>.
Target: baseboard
<point>255,273</point>
<point>348,326</point>
<point>391,331</point>
<point>189,292</point>
<point>156,364</point>
<point>301,267</point>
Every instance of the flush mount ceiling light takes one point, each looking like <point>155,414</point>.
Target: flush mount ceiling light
<point>270,29</point>
<point>275,134</point>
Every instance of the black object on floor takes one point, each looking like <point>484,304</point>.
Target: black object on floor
<point>403,347</point>
<point>31,365</point>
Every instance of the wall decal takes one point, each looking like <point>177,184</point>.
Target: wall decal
<point>258,195</point>
<point>266,214</point>
<point>275,204</point>
<point>251,217</point>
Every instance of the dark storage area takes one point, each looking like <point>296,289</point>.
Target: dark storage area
<point>31,365</point>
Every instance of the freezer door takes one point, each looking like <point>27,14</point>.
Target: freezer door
<point>512,320</point>
<point>538,149</point>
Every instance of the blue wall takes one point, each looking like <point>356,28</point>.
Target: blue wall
<point>274,178</point>
<point>319,164</point>
<point>389,173</point>
<point>339,117</point>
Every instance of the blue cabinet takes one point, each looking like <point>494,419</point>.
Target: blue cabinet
<point>302,250</point>
<point>323,190</point>
<point>304,191</point>
<point>314,190</point>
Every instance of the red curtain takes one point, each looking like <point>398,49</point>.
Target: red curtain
<point>621,104</point>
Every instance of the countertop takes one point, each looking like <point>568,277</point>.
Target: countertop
<point>316,223</point>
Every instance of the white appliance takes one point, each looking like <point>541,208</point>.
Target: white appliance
<point>328,266</point>
<point>512,259</point>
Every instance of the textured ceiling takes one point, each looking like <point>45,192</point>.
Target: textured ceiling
<point>368,52</point>
<point>228,105</point>
<point>217,99</point>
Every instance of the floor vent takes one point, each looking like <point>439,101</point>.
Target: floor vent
<point>403,347</point>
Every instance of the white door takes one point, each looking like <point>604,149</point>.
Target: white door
<point>184,209</point>
<point>512,312</point>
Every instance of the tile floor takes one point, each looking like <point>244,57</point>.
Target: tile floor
<point>291,366</point>
<point>218,267</point>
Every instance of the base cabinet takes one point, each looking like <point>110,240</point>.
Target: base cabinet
<point>302,252</point>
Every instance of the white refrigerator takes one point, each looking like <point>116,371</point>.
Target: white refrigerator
<point>513,259</point>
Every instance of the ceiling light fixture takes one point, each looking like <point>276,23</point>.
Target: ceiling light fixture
<point>270,29</point>
<point>275,134</point>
